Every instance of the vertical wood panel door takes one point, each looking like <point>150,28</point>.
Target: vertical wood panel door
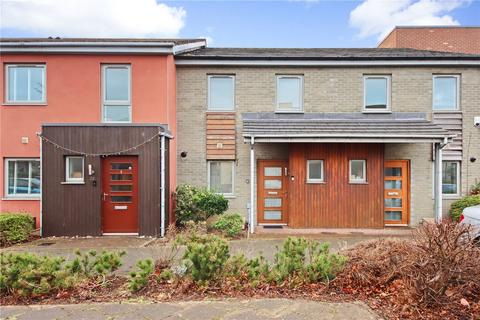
<point>272,192</point>
<point>396,192</point>
<point>120,195</point>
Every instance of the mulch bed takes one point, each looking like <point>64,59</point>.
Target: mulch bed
<point>31,238</point>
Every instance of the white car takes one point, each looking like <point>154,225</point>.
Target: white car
<point>471,215</point>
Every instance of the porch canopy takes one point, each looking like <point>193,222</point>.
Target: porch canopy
<point>342,127</point>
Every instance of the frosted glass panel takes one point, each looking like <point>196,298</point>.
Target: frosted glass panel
<point>273,184</point>
<point>393,202</point>
<point>272,215</point>
<point>273,171</point>
<point>393,184</point>
<point>393,215</point>
<point>273,202</point>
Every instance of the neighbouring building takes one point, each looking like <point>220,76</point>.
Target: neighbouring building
<point>88,133</point>
<point>330,138</point>
<point>436,38</point>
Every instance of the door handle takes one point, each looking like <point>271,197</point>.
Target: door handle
<point>104,196</point>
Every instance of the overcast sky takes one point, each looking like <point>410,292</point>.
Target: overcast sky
<point>288,23</point>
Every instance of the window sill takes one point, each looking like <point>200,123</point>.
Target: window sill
<point>315,182</point>
<point>376,111</point>
<point>221,110</point>
<point>352,182</point>
<point>21,198</point>
<point>24,104</point>
<point>229,196</point>
<point>72,182</point>
<point>287,111</point>
<point>447,111</point>
<point>451,197</point>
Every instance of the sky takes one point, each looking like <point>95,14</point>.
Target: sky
<point>286,23</point>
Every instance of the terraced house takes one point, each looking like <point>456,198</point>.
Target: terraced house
<point>330,138</point>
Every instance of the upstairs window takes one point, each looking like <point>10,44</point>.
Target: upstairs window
<point>376,93</point>
<point>221,93</point>
<point>290,93</point>
<point>116,93</point>
<point>25,84</point>
<point>445,92</point>
<point>22,178</point>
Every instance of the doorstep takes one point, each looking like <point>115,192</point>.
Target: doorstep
<point>286,231</point>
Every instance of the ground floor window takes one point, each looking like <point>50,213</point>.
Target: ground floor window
<point>450,177</point>
<point>22,177</point>
<point>315,171</point>
<point>221,176</point>
<point>74,169</point>
<point>357,171</point>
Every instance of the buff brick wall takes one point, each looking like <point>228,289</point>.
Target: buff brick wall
<point>325,90</point>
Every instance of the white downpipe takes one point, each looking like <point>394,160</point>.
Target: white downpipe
<point>438,182</point>
<point>251,221</point>
<point>162,187</point>
<point>41,185</point>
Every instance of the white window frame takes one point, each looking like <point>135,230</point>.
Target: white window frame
<point>457,92</point>
<point>105,102</point>
<point>388,107</point>
<point>23,195</point>
<point>26,102</point>
<point>359,181</point>
<point>453,195</point>
<point>289,76</point>
<point>223,109</point>
<point>67,166</point>
<point>209,162</point>
<point>322,179</point>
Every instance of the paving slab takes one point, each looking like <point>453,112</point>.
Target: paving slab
<point>228,309</point>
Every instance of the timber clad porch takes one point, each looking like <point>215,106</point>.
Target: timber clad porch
<point>336,173</point>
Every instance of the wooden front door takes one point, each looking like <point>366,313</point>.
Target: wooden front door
<point>272,192</point>
<point>120,195</point>
<point>396,192</point>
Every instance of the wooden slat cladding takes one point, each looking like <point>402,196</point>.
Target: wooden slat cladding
<point>70,210</point>
<point>221,136</point>
<point>453,122</point>
<point>336,203</point>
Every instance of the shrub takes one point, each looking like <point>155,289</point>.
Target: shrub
<point>205,258</point>
<point>15,227</point>
<point>231,224</point>
<point>457,207</point>
<point>323,266</point>
<point>475,189</point>
<point>197,204</point>
<point>139,279</point>
<point>91,264</point>
<point>26,274</point>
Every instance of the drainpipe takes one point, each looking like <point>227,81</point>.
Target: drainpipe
<point>41,184</point>
<point>162,186</point>
<point>251,221</point>
<point>438,180</point>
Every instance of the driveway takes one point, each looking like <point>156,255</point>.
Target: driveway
<point>230,309</point>
<point>142,248</point>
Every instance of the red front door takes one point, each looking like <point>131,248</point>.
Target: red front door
<point>120,194</point>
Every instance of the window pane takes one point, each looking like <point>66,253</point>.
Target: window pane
<point>357,170</point>
<point>393,172</point>
<point>121,177</point>
<point>376,91</point>
<point>22,180</point>
<point>11,177</point>
<point>289,93</point>
<point>393,215</point>
<point>393,184</point>
<point>121,199</point>
<point>273,184</point>
<point>273,171</point>
<point>36,84</point>
<point>117,114</point>
<point>393,202</point>
<point>117,84</point>
<point>449,177</point>
<point>221,177</point>
<point>75,168</point>
<point>445,93</point>
<point>20,84</point>
<point>273,202</point>
<point>121,188</point>
<point>35,180</point>
<point>121,166</point>
<point>221,93</point>
<point>315,169</point>
<point>272,215</point>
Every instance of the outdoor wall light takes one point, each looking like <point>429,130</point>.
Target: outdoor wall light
<point>183,154</point>
<point>473,159</point>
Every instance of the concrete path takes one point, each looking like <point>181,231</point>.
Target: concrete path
<point>142,248</point>
<point>231,309</point>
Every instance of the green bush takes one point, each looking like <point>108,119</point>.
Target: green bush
<point>15,227</point>
<point>457,207</point>
<point>205,258</point>
<point>91,264</point>
<point>306,260</point>
<point>26,274</point>
<point>231,224</point>
<point>197,204</point>
<point>139,279</point>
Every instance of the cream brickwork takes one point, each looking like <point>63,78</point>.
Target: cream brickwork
<point>325,90</point>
